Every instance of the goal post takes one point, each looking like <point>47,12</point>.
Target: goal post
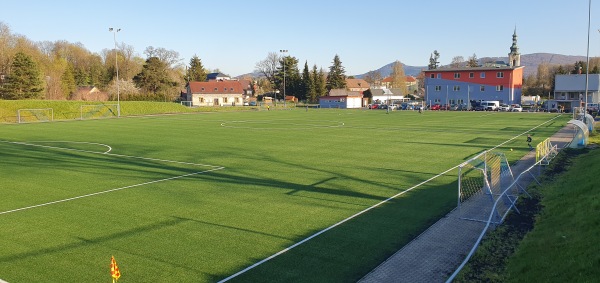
<point>35,115</point>
<point>98,111</point>
<point>482,180</point>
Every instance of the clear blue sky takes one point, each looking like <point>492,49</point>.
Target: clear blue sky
<point>233,35</point>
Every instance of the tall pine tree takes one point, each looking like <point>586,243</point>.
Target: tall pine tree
<point>196,72</point>
<point>67,81</point>
<point>320,83</point>
<point>336,78</point>
<point>307,84</point>
<point>24,80</point>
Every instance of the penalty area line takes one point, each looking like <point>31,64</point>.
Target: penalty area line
<point>109,191</point>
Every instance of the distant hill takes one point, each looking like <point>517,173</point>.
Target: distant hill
<point>530,61</point>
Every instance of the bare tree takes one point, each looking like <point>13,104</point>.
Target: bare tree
<point>399,77</point>
<point>268,66</point>
<point>373,77</point>
<point>170,57</point>
<point>457,62</point>
<point>473,61</point>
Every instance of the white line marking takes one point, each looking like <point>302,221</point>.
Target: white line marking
<point>93,143</point>
<point>109,154</point>
<point>359,213</point>
<point>108,191</point>
<point>215,168</point>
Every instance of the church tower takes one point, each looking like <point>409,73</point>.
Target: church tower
<point>514,57</point>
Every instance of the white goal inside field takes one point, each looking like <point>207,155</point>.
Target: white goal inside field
<point>35,115</point>
<point>98,111</point>
<point>187,103</point>
<point>481,181</point>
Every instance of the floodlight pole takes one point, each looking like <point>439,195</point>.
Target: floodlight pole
<point>284,51</point>
<point>587,67</point>
<point>114,31</point>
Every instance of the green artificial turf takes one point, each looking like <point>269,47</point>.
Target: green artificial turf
<point>276,178</point>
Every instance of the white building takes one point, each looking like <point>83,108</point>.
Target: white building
<point>339,98</point>
<point>215,93</point>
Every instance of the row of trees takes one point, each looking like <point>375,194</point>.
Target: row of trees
<point>280,75</point>
<point>54,70</point>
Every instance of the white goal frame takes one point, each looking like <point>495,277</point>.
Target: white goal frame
<point>481,181</point>
<point>33,110</point>
<point>97,106</point>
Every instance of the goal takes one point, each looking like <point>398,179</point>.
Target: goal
<point>482,180</point>
<point>98,111</point>
<point>35,115</point>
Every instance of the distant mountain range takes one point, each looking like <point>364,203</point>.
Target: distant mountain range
<point>530,61</point>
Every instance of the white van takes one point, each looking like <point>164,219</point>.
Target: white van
<point>493,105</point>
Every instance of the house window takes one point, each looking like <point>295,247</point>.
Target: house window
<point>456,88</point>
<point>482,75</point>
<point>437,100</point>
<point>438,88</point>
<point>499,88</point>
<point>451,102</point>
<point>500,75</point>
<point>201,99</point>
<point>571,96</point>
<point>231,89</point>
<point>202,89</point>
<point>460,101</point>
<point>457,75</point>
<point>224,89</point>
<point>216,89</point>
<point>482,88</point>
<point>224,99</point>
<point>471,75</point>
<point>439,76</point>
<point>432,76</point>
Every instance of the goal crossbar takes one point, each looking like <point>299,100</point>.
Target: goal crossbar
<point>40,115</point>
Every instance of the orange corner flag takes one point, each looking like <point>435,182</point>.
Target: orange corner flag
<point>114,269</point>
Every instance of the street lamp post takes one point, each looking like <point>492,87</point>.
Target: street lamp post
<point>114,31</point>
<point>284,51</point>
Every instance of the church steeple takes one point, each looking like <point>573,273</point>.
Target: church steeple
<point>514,57</point>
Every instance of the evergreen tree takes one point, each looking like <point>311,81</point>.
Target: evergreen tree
<point>308,87</point>
<point>289,65</point>
<point>154,77</point>
<point>336,78</point>
<point>433,60</point>
<point>313,95</point>
<point>24,80</point>
<point>67,81</point>
<point>320,84</point>
<point>196,72</point>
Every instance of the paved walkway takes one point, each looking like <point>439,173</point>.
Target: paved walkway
<point>435,254</point>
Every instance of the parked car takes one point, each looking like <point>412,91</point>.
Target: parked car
<point>252,103</point>
<point>444,107</point>
<point>504,107</point>
<point>435,107</point>
<point>373,106</point>
<point>479,107</point>
<point>516,108</point>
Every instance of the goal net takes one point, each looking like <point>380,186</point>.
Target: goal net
<point>482,180</point>
<point>35,115</point>
<point>98,111</point>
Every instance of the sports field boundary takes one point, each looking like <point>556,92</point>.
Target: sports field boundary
<point>368,209</point>
<point>437,252</point>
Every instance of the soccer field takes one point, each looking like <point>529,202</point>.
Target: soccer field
<point>200,197</point>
